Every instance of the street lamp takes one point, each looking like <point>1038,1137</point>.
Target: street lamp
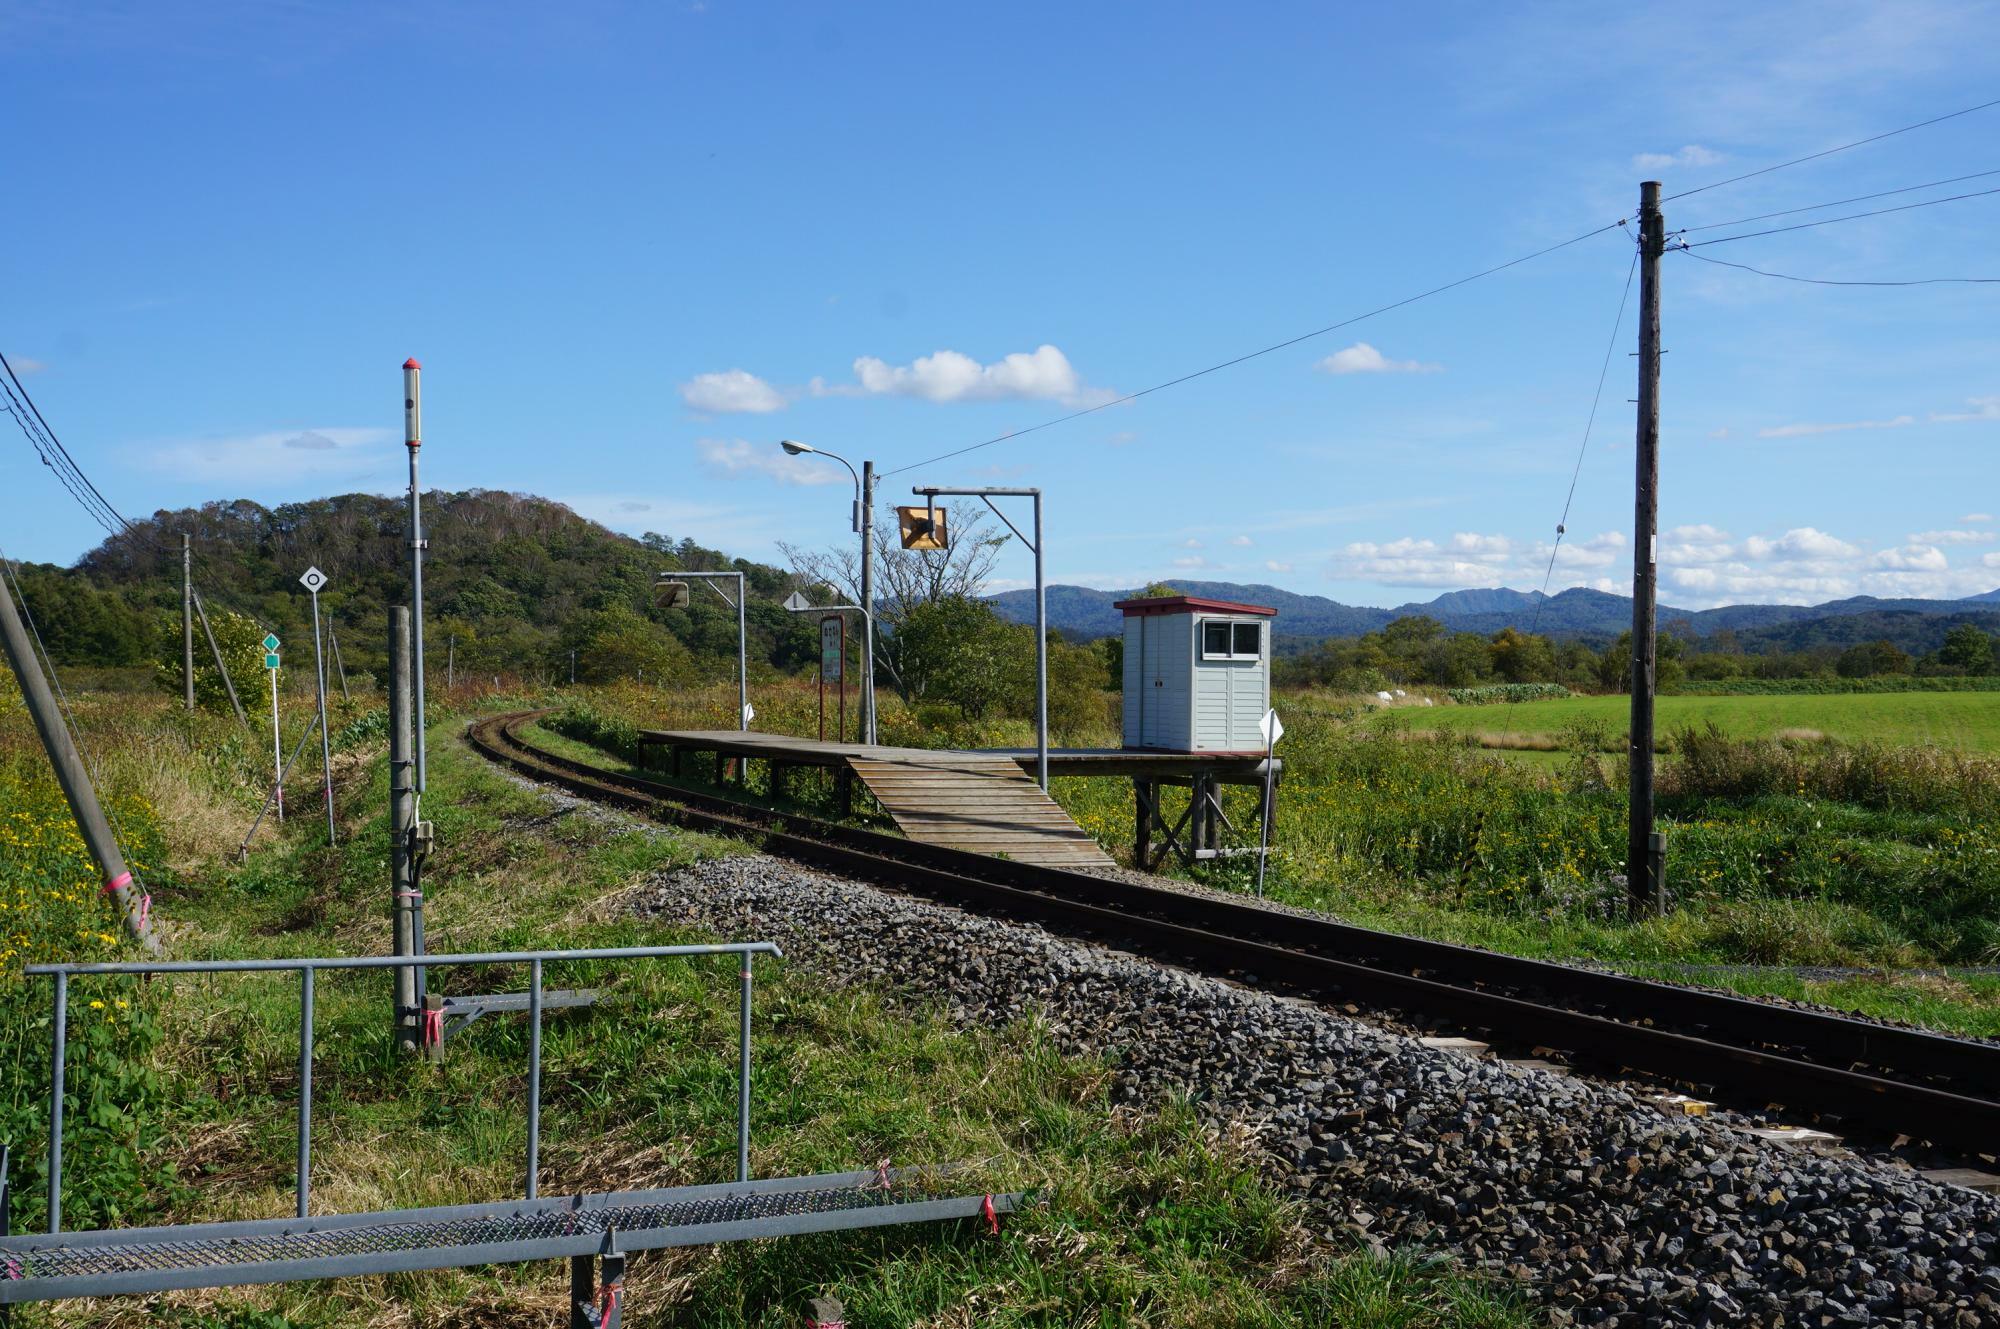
<point>864,525</point>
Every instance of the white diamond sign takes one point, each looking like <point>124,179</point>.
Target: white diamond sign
<point>1272,728</point>
<point>797,602</point>
<point>313,580</point>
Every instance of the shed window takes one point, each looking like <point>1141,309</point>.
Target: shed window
<point>1223,640</point>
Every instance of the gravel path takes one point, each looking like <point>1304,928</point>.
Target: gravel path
<point>1610,1211</point>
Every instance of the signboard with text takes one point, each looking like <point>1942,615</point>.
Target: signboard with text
<point>832,656</point>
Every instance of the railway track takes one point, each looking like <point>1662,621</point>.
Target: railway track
<point>1879,1079</point>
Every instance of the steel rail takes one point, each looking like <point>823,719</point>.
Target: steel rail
<point>1891,1079</point>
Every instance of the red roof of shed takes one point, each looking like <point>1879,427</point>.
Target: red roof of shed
<point>1188,604</point>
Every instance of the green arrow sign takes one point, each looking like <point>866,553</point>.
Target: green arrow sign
<point>271,660</point>
<point>271,642</point>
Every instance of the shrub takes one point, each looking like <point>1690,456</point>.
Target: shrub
<point>1507,692</point>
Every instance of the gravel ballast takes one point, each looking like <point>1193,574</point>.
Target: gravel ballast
<point>1608,1210</point>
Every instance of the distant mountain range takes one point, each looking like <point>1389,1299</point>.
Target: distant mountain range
<point>1916,625</point>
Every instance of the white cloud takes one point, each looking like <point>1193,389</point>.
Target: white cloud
<point>1990,560</point>
<point>1719,433</point>
<point>1691,155</point>
<point>1808,430</point>
<point>1123,437</point>
<point>1983,408</point>
<point>277,455</point>
<point>731,391</point>
<point>736,456</point>
<point>1686,545</point>
<point>1273,565</point>
<point>1468,542</point>
<point>1800,542</point>
<point>1953,537</point>
<point>1911,558</point>
<point>1361,358</point>
<point>1240,541</point>
<point>739,530</point>
<point>1044,374</point>
<point>25,365</point>
<point>1971,517</point>
<point>1190,543</point>
<point>1191,561</point>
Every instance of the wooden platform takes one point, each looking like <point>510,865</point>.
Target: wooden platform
<point>981,802</point>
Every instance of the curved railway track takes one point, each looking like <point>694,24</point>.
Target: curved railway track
<point>1881,1079</point>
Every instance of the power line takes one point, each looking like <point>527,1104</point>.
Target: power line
<point>1858,198</point>
<point>1852,216</point>
<point>1813,157</point>
<point>1603,373</point>
<point>56,443</point>
<point>1252,355</point>
<point>1826,281</point>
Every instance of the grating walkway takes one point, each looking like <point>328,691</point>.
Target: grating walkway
<point>229,1254</point>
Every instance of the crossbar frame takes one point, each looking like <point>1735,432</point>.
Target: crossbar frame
<point>308,967</point>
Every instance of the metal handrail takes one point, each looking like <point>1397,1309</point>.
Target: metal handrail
<point>307,967</point>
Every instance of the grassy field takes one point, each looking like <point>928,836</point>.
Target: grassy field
<point>182,1092</point>
<point>1966,720</point>
<point>1794,853</point>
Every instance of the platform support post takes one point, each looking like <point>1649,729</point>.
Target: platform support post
<point>1142,823</point>
<point>844,787</point>
<point>582,1291</point>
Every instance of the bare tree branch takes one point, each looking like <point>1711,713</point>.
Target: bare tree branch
<point>905,578</point>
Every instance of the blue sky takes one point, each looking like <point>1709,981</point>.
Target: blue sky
<point>634,245</point>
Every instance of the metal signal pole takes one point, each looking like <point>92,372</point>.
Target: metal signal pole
<point>187,622</point>
<point>1645,851</point>
<point>133,904</point>
<point>413,438</point>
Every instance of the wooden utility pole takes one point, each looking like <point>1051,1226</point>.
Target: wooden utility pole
<point>1645,851</point>
<point>130,899</point>
<point>187,622</point>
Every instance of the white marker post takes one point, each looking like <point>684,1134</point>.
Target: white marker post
<point>277,743</point>
<point>1273,729</point>
<point>315,581</point>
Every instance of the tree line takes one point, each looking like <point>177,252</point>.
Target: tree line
<point>1419,650</point>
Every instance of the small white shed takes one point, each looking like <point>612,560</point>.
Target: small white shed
<point>1197,674</point>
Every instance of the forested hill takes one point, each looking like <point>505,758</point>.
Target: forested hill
<point>518,581</point>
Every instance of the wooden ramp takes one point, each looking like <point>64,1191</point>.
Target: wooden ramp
<point>983,802</point>
<point>987,805</point>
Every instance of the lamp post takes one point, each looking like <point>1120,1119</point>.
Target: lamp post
<point>930,494</point>
<point>864,526</point>
<point>739,604</point>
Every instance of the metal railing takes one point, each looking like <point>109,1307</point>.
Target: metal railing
<point>306,968</point>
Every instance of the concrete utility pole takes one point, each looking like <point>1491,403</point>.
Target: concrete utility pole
<point>404,901</point>
<point>187,622</point>
<point>1645,851</point>
<point>133,904</point>
<point>868,602</point>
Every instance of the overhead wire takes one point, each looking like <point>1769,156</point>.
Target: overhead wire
<point>1828,281</point>
<point>1852,216</point>
<point>99,503</point>
<point>1858,198</point>
<point>1815,156</point>
<point>1261,351</point>
<point>1590,422</point>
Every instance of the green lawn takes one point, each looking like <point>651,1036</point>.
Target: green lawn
<point>1968,720</point>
